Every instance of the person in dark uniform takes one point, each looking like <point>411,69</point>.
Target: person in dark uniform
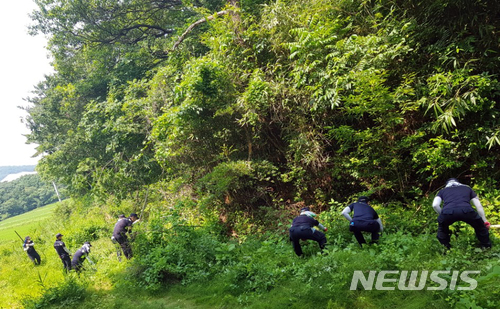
<point>28,246</point>
<point>80,256</point>
<point>456,198</point>
<point>303,228</point>
<point>365,219</point>
<point>63,252</point>
<point>122,228</point>
<point>115,243</point>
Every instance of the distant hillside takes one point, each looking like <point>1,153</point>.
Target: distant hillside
<point>24,194</point>
<point>7,170</point>
<point>24,223</point>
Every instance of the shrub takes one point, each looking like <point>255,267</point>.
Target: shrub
<point>70,293</point>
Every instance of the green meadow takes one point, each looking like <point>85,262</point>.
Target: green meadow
<point>25,224</point>
<point>108,284</point>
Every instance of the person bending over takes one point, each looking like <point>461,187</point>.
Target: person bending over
<point>365,219</point>
<point>456,199</point>
<point>303,228</point>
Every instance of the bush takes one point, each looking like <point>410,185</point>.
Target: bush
<point>69,293</point>
<point>179,252</point>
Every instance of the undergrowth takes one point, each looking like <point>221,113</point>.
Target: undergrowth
<point>183,260</point>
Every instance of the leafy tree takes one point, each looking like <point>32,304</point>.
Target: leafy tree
<point>99,49</point>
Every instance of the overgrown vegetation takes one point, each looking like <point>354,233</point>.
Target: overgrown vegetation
<point>183,258</point>
<point>216,121</point>
<point>386,97</point>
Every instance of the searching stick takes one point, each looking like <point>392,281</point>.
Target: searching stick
<point>92,264</point>
<point>145,202</point>
<point>19,236</point>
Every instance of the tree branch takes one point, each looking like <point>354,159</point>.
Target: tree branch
<point>139,26</point>
<point>193,25</point>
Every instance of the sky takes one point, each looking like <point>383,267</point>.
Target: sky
<point>23,64</point>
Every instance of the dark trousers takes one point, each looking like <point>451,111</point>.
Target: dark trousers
<point>66,260</point>
<point>35,257</point>
<point>305,232</point>
<point>467,215</point>
<point>125,245</point>
<point>77,266</point>
<point>357,227</point>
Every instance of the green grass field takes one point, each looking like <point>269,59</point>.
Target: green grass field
<point>25,224</point>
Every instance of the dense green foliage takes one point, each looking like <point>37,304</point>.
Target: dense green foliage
<point>24,194</point>
<point>217,121</point>
<point>386,97</point>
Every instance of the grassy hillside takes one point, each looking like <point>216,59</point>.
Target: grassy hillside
<point>25,224</point>
<point>110,283</point>
<point>181,261</point>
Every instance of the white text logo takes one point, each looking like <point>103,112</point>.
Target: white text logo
<point>405,280</point>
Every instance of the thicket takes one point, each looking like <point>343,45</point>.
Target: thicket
<point>385,97</point>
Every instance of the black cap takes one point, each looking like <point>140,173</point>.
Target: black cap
<point>134,215</point>
<point>122,216</point>
<point>363,199</point>
<point>87,243</point>
<point>304,209</point>
<point>452,179</point>
<point>58,235</point>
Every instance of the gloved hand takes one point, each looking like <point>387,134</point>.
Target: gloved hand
<point>325,229</point>
<point>487,224</point>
